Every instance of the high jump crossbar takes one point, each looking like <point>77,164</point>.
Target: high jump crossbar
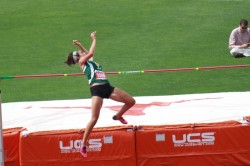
<point>131,72</point>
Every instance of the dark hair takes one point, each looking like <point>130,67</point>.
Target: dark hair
<point>243,22</point>
<point>70,60</point>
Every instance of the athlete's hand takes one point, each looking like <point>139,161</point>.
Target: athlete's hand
<point>93,35</point>
<point>76,42</point>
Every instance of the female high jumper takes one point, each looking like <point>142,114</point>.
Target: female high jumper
<point>100,88</point>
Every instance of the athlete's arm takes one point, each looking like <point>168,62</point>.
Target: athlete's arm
<point>91,52</point>
<point>77,43</point>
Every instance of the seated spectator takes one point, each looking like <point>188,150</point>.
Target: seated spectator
<point>239,41</point>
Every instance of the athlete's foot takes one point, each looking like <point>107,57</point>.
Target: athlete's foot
<point>121,119</point>
<point>83,150</point>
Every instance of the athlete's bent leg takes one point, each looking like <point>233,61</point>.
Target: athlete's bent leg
<point>121,96</point>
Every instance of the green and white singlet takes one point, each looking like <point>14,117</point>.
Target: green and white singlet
<point>94,73</point>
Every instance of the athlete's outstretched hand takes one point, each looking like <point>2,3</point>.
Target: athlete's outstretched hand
<point>93,35</point>
<point>76,42</point>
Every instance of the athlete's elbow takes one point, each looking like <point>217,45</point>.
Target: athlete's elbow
<point>90,55</point>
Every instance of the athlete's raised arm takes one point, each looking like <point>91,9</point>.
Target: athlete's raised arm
<point>77,43</point>
<point>85,56</point>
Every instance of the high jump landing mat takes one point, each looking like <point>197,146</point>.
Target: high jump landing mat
<point>193,129</point>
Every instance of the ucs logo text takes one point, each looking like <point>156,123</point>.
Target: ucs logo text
<point>73,146</point>
<point>194,139</point>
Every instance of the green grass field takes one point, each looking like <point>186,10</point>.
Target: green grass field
<point>36,37</point>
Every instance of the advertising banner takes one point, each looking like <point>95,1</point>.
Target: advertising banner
<point>215,144</point>
<point>106,146</point>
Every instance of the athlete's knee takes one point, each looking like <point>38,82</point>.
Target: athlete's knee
<point>131,102</point>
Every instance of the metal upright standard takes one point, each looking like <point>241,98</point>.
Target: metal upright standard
<point>1,135</point>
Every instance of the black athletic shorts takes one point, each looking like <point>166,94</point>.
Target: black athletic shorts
<point>103,91</point>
